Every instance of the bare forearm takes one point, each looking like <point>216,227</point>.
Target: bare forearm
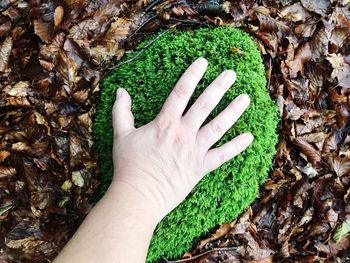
<point>118,229</point>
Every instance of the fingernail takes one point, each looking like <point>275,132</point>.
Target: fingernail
<point>201,62</point>
<point>119,93</point>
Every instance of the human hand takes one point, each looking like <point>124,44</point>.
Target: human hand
<point>163,160</point>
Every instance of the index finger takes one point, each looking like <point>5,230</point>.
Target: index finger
<point>177,101</point>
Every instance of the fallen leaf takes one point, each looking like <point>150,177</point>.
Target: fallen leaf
<point>313,155</point>
<point>58,16</point>
<point>43,30</point>
<point>7,171</point>
<point>341,231</point>
<point>295,12</point>
<point>77,178</point>
<point>19,89</point>
<point>341,166</point>
<point>5,51</point>
<point>318,6</point>
<point>3,155</point>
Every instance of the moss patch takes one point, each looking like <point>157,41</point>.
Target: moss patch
<point>223,194</point>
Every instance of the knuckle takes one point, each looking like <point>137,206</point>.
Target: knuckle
<point>179,138</point>
<point>203,142</point>
<point>221,85</point>
<point>162,123</point>
<point>216,128</point>
<point>222,157</point>
<point>181,90</point>
<point>203,105</point>
<point>194,71</point>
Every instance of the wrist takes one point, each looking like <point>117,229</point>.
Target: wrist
<point>134,203</point>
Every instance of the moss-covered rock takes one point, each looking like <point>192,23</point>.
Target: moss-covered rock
<point>223,194</point>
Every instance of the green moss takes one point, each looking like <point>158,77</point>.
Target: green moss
<point>223,194</point>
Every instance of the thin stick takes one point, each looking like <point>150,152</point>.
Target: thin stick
<point>151,5</point>
<point>200,255</point>
<point>142,50</point>
<point>269,82</point>
<point>142,25</point>
<point>189,21</point>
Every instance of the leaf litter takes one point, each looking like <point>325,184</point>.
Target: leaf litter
<point>52,57</point>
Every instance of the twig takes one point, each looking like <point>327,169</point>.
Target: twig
<point>269,81</point>
<point>151,5</point>
<point>142,25</point>
<point>200,255</point>
<point>142,50</point>
<point>189,21</point>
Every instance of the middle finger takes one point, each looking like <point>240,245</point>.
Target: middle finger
<point>207,101</point>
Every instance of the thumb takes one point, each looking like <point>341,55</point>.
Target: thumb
<point>123,120</point>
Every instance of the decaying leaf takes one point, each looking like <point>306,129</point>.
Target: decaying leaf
<point>306,148</point>
<point>7,171</point>
<point>318,6</point>
<point>5,51</point>
<point>43,30</point>
<point>341,231</point>
<point>58,16</point>
<point>52,57</point>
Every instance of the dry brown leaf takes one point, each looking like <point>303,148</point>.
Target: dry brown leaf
<point>19,89</point>
<point>221,231</point>
<point>344,76</point>
<point>313,155</point>
<point>58,16</point>
<point>318,6</point>
<point>295,12</point>
<point>182,10</point>
<point>20,146</point>
<point>43,30</point>
<point>268,259</point>
<point>67,67</point>
<point>295,113</point>
<point>5,51</point>
<point>338,37</point>
<point>267,23</point>
<point>314,137</point>
<point>341,166</point>
<point>314,49</point>
<point>53,118</point>
<point>3,155</point>
<point>28,244</point>
<point>7,171</point>
<point>303,55</point>
<point>5,28</point>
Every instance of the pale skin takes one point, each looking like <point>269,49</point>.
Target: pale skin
<point>156,166</point>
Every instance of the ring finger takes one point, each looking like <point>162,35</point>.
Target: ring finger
<point>215,129</point>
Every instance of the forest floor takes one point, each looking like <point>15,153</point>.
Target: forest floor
<point>53,55</point>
